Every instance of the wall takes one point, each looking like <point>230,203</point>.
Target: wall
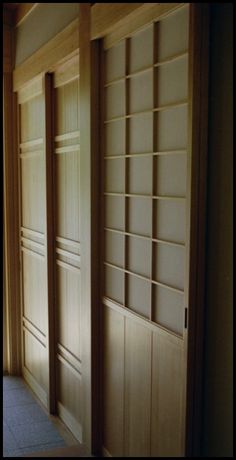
<point>45,21</point>
<point>218,388</point>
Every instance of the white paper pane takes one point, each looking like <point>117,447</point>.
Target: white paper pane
<point>141,92</point>
<point>171,175</point>
<point>168,309</point>
<point>170,221</point>
<point>172,82</point>
<point>115,138</point>
<point>172,129</point>
<point>173,34</point>
<point>114,212</point>
<point>114,248</point>
<point>139,296</point>
<point>140,175</point>
<point>139,256</point>
<point>115,101</point>
<point>169,265</point>
<point>141,49</point>
<point>141,133</point>
<point>115,62</point>
<point>115,175</point>
<point>140,216</point>
<point>114,284</point>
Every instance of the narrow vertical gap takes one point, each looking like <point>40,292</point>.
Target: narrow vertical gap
<point>102,235</point>
<point>154,210</point>
<point>54,231</point>
<point>127,148</point>
<point>126,245</point>
<point>154,169</point>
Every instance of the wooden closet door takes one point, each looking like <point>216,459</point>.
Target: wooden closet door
<point>67,244</point>
<point>33,237</point>
<point>146,233</point>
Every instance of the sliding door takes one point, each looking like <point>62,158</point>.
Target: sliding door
<point>146,202</point>
<point>67,216</point>
<point>33,237</point>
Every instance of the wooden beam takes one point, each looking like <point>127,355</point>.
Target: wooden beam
<point>22,12</point>
<point>59,48</point>
<point>105,16</point>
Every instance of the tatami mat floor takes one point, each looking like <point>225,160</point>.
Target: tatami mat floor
<point>26,426</point>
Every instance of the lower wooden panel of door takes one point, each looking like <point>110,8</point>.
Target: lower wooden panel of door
<point>142,377</point>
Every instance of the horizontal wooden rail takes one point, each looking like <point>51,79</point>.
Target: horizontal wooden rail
<point>171,288</point>
<point>156,328</point>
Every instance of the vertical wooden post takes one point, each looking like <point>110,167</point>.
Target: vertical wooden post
<point>198,128</point>
<point>11,242</point>
<point>89,192</point>
<point>50,240</point>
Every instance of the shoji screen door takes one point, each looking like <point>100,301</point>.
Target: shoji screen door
<point>146,176</point>
<point>34,237</point>
<point>66,190</point>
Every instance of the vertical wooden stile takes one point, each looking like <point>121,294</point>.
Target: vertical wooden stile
<point>85,183</point>
<point>50,240</point>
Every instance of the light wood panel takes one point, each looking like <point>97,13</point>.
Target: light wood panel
<point>143,391</point>
<point>167,398</point>
<point>69,389</point>
<point>34,288</point>
<point>66,191</point>
<point>114,405</point>
<point>137,392</point>
<point>36,360</point>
